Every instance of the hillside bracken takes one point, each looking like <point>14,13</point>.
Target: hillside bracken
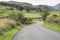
<point>6,24</point>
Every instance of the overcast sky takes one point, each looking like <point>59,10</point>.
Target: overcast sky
<point>39,2</point>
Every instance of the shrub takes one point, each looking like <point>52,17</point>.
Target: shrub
<point>7,24</point>
<point>53,18</point>
<point>45,12</point>
<point>10,8</point>
<point>18,16</point>
<point>26,21</point>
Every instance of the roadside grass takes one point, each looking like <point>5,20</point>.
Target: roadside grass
<point>51,26</point>
<point>10,34</point>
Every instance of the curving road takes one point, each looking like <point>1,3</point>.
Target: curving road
<point>36,32</point>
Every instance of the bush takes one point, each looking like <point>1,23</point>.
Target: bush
<point>7,24</point>
<point>45,12</point>
<point>10,8</point>
<point>26,21</point>
<point>53,18</point>
<point>18,16</point>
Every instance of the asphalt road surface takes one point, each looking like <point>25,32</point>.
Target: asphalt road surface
<point>36,32</point>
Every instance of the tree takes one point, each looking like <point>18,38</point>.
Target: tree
<point>21,8</point>
<point>45,12</point>
<point>27,8</point>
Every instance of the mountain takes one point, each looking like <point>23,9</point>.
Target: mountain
<point>57,7</point>
<point>28,6</point>
<point>23,6</point>
<point>51,8</point>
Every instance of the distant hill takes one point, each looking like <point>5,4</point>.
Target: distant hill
<point>57,7</point>
<point>28,6</point>
<point>51,8</point>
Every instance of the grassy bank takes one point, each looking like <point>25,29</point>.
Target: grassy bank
<point>11,17</point>
<point>9,35</point>
<point>54,27</point>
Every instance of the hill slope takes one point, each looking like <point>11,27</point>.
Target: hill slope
<point>28,6</point>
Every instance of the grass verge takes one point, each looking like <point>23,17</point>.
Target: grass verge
<point>54,27</point>
<point>9,35</point>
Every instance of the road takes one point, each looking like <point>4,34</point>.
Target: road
<point>36,32</point>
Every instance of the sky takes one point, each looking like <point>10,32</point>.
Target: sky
<point>39,2</point>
